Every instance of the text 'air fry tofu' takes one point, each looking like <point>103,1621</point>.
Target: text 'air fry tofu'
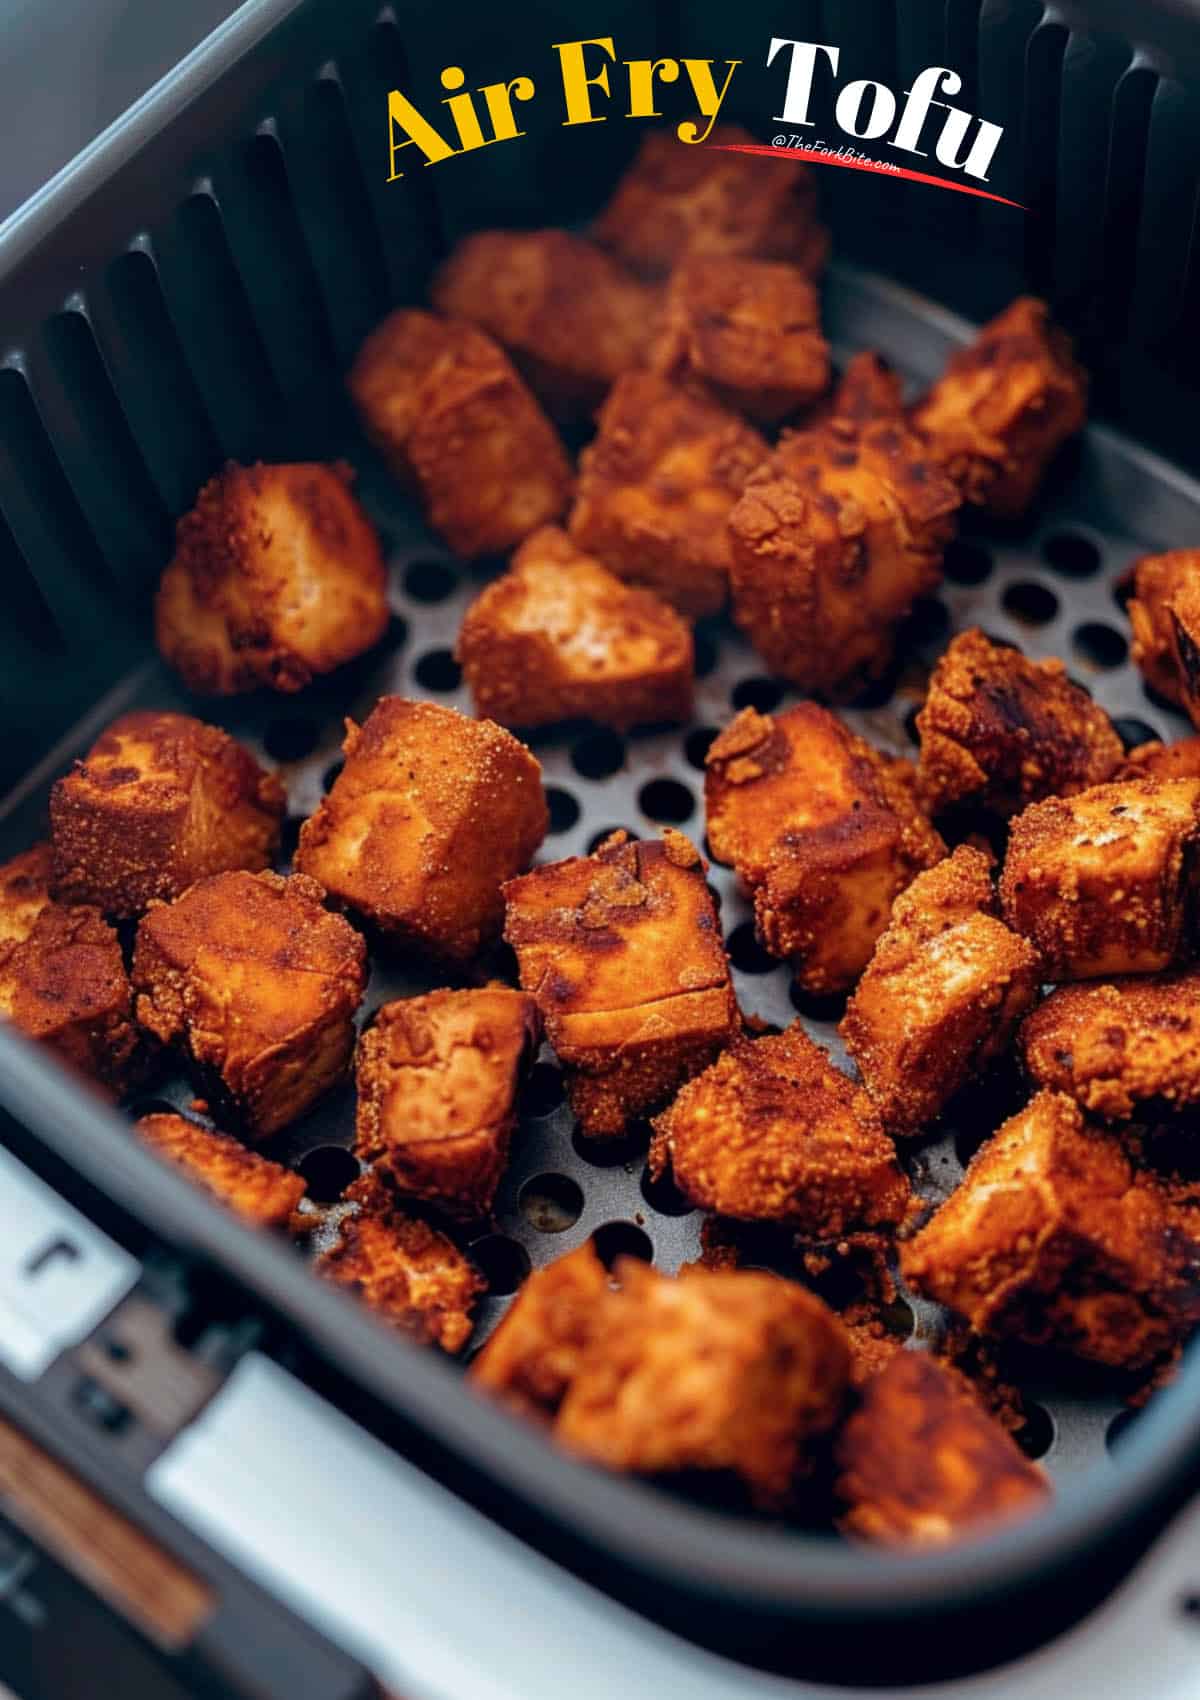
<point>430,814</point>
<point>623,952</point>
<point>262,1191</point>
<point>1165,615</point>
<point>532,1358</point>
<point>559,637</point>
<point>277,577</point>
<point>823,829</point>
<point>447,410</point>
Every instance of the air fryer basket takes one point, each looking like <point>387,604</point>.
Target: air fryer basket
<point>192,290</point>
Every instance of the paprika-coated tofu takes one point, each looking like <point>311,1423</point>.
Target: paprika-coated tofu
<point>1003,407</point>
<point>823,829</point>
<point>1001,732</point>
<point>277,577</point>
<point>448,411</point>
<point>531,1359</point>
<point>1105,882</point>
<point>258,983</point>
<point>681,200</point>
<point>24,892</point>
<point>746,331</point>
<point>559,637</point>
<point>942,994</point>
<point>869,388</point>
<point>922,1464</point>
<point>623,952</point>
<point>1052,1238</point>
<point>437,1085</point>
<point>1155,760</point>
<point>258,1189</point>
<point>430,814</point>
<point>572,318</point>
<point>159,801</point>
<point>773,1132</point>
<point>717,1370</point>
<point>1165,615</point>
<point>656,486</point>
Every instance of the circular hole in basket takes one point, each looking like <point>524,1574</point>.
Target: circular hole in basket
<point>437,670</point>
<point>330,777</point>
<point>551,1203</point>
<point>1125,590</point>
<point>430,581</point>
<point>329,1170</point>
<point>1100,645</point>
<point>898,1317</point>
<point>707,651</point>
<point>597,838</point>
<point>609,1153</point>
<point>1189,1605</point>
<point>622,1239</point>
<point>544,1090</point>
<point>1035,1436</point>
<point>1118,1429</point>
<point>502,1262</point>
<point>966,563</point>
<point>817,1006</point>
<point>1031,603</point>
<point>967,1141</point>
<point>910,722</point>
<point>396,635</point>
<point>928,621</point>
<point>663,1195</point>
<point>718,900</point>
<point>1072,554</point>
<point>597,754</point>
<point>746,953</point>
<point>759,692</point>
<point>1133,732</point>
<point>291,738</point>
<point>697,745</point>
<point>289,836</point>
<point>563,809</point>
<point>666,800</point>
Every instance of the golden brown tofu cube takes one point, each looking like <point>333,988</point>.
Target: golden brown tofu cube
<point>411,1275</point>
<point>430,814</point>
<point>277,577</point>
<point>159,801</point>
<point>869,388</point>
<point>747,331</point>
<point>1003,407</point>
<point>437,1086</point>
<point>1165,615</point>
<point>922,1463</point>
<point>772,1132</point>
<point>559,637</point>
<point>623,952</point>
<point>718,1370</point>
<point>532,1358</point>
<point>1104,883</point>
<point>656,487</point>
<point>24,892</point>
<point>572,318</point>
<point>1155,760</point>
<point>823,829</point>
<point>261,1191</point>
<point>681,200</point>
<point>942,994</point>
<point>258,983</point>
<point>446,408</point>
<point>1002,732</point>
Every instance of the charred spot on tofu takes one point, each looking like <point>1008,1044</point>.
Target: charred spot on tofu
<point>262,1191</point>
<point>431,812</point>
<point>1165,615</point>
<point>532,1358</point>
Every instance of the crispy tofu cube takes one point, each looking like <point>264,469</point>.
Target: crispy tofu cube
<point>1165,615</point>
<point>437,1086</point>
<point>1003,407</point>
<point>682,200</point>
<point>923,1464</point>
<point>572,318</point>
<point>258,983</point>
<point>1104,883</point>
<point>773,1132</point>
<point>823,829</point>
<point>1155,760</point>
<point>263,1192</point>
<point>748,332</point>
<point>531,1359</point>
<point>869,388</point>
<point>942,994</point>
<point>446,408</point>
<point>24,893</point>
<point>1053,1239</point>
<point>277,577</point>
<point>718,1370</point>
<point>623,952</point>
<point>159,801</point>
<point>559,637</point>
<point>656,487</point>
<point>430,814</point>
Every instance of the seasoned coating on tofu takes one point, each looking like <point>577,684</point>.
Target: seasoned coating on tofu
<point>623,952</point>
<point>1119,1047</point>
<point>411,1275</point>
<point>773,1132</point>
<point>1000,732</point>
<point>1004,406</point>
<point>922,1463</point>
<point>942,994</point>
<point>656,486</point>
<point>559,637</point>
<point>258,983</point>
<point>823,829</point>
<point>448,411</point>
<point>869,388</point>
<point>717,1370</point>
<point>1104,883</point>
<point>1155,760</point>
<point>277,577</point>
<point>1052,1238</point>
<point>681,200</point>
<point>24,892</point>
<point>532,1358</point>
<point>832,543</point>
<point>437,1084</point>
<point>572,318</point>
<point>159,801</point>
<point>258,1189</point>
<point>430,814</point>
<point>748,332</point>
<point>1165,615</point>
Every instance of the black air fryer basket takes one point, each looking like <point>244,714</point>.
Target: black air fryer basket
<point>192,290</point>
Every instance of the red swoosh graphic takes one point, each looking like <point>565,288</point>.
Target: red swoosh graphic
<point>819,158</point>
